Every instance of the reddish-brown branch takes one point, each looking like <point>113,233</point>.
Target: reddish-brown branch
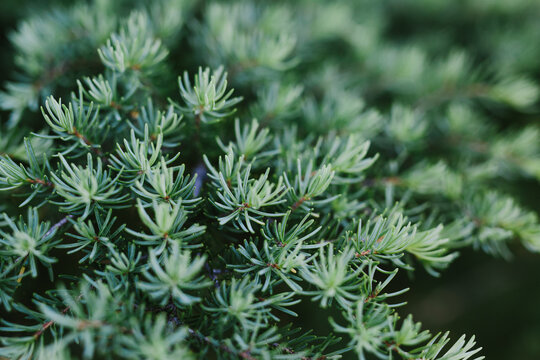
<point>243,207</point>
<point>41,182</point>
<point>82,137</point>
<point>363,253</point>
<point>115,105</point>
<point>49,323</point>
<point>297,204</point>
<point>371,296</point>
<point>44,327</point>
<point>393,346</point>
<point>87,142</point>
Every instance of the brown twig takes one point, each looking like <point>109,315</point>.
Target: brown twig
<point>87,142</point>
<point>297,204</point>
<point>49,323</point>
<point>41,182</point>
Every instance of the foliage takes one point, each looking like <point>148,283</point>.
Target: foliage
<point>301,159</point>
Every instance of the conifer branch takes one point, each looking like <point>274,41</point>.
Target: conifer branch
<point>332,157</point>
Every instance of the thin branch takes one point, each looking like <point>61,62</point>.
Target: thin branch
<point>200,171</point>
<point>297,204</point>
<point>49,323</point>
<point>41,182</point>
<point>58,225</point>
<point>84,139</point>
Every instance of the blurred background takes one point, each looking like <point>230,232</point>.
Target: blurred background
<point>496,299</point>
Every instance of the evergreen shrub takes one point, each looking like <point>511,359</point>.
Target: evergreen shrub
<point>181,178</point>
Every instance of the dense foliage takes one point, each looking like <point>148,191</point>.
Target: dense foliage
<point>180,177</point>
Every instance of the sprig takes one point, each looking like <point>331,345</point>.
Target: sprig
<point>168,184</point>
<point>167,226</point>
<point>208,99</point>
<point>133,48</point>
<point>29,241</point>
<point>174,277</point>
<point>84,189</point>
<point>243,201</point>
